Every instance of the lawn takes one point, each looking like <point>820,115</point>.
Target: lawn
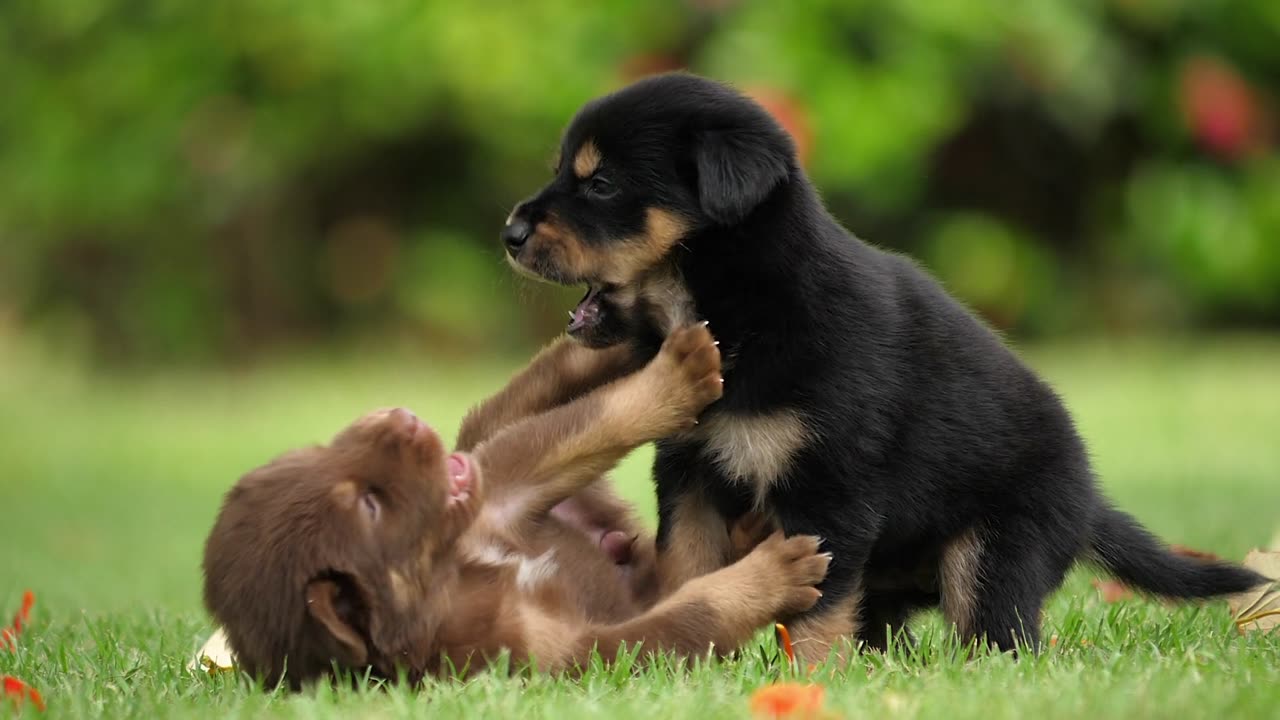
<point>108,486</point>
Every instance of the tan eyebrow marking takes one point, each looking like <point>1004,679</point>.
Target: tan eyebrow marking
<point>587,160</point>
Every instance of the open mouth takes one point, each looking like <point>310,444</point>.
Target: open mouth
<point>587,314</point>
<point>461,477</point>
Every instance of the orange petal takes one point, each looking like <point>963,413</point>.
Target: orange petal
<point>787,700</point>
<point>784,639</point>
<point>19,692</point>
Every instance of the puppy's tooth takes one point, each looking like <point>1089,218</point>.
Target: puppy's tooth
<point>705,323</point>
<point>716,343</point>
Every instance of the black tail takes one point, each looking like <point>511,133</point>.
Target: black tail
<point>1135,556</point>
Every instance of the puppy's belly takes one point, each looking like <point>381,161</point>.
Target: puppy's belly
<point>572,569</point>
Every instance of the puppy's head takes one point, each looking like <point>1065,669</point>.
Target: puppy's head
<point>640,172</point>
<point>341,553</point>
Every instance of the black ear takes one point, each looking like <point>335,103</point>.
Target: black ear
<point>737,169</point>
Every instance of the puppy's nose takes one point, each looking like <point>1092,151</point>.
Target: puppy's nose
<point>516,234</point>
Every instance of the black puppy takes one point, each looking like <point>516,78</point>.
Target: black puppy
<point>862,403</point>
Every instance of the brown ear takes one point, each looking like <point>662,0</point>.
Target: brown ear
<point>326,603</point>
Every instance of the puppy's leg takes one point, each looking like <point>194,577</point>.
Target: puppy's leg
<point>720,611</point>
<point>559,373</point>
<point>693,538</point>
<point>542,460</point>
<point>848,529</point>
<point>884,615</point>
<point>749,531</point>
<point>994,582</point>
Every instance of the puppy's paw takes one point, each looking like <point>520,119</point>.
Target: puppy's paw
<point>689,362</point>
<point>790,568</point>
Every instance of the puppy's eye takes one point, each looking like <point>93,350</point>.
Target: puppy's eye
<point>370,505</point>
<point>601,188</point>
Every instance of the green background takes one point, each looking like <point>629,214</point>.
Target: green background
<point>228,228</point>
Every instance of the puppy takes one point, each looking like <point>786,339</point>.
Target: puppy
<point>381,551</point>
<point>863,404</point>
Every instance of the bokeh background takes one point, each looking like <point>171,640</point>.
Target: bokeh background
<point>228,227</point>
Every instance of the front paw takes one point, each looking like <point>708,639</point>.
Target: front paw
<point>789,569</point>
<point>689,366</point>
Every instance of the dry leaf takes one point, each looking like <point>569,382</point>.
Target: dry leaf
<point>215,656</point>
<point>1112,590</point>
<point>1184,551</point>
<point>1258,610</point>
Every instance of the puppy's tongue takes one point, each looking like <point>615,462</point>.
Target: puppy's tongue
<point>587,312</point>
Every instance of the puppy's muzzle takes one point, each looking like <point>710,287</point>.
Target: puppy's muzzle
<point>515,235</point>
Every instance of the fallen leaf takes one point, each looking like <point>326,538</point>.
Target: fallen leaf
<point>1112,590</point>
<point>1184,551</point>
<point>215,656</point>
<point>896,702</point>
<point>19,693</point>
<point>1258,610</point>
<point>788,700</point>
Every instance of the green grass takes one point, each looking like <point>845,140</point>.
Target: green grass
<point>108,486</point>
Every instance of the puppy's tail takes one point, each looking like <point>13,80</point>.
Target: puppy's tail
<point>1135,556</point>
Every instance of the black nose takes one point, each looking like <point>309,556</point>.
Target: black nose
<point>515,235</point>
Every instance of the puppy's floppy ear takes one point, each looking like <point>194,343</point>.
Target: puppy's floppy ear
<point>737,169</point>
<point>333,603</point>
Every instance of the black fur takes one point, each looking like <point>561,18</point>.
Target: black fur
<point>924,424</point>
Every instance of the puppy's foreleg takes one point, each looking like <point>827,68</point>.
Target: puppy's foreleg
<point>716,613</point>
<point>559,373</point>
<point>546,458</point>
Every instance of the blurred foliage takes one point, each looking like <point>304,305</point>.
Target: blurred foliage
<point>208,179</point>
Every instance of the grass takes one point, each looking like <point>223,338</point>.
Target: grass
<point>108,486</point>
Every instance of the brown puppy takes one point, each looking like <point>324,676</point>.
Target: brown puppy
<point>380,551</point>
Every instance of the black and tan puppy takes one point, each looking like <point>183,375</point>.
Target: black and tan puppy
<point>863,404</point>
<point>383,551</point>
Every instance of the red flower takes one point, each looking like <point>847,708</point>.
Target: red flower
<point>1220,107</point>
<point>19,692</point>
<point>9,635</point>
<point>790,114</point>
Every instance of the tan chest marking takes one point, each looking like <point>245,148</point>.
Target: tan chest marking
<point>531,572</point>
<point>753,449</point>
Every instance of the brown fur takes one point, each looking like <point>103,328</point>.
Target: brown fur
<point>586,160</point>
<point>958,577</point>
<point>699,540</point>
<point>300,571</point>
<point>554,245</point>
<point>816,635</point>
